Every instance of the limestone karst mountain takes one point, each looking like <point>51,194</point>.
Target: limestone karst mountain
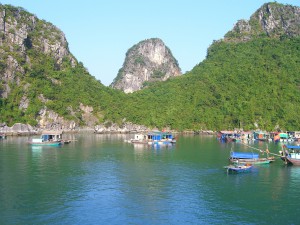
<point>149,60</point>
<point>271,20</point>
<point>249,79</point>
<point>41,82</point>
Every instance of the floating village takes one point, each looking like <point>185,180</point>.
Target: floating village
<point>244,161</point>
<point>238,161</point>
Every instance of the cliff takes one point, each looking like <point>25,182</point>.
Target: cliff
<point>21,32</point>
<point>148,61</point>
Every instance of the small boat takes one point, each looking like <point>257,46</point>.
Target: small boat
<point>2,136</point>
<point>50,138</point>
<point>249,157</point>
<point>238,168</point>
<point>290,154</point>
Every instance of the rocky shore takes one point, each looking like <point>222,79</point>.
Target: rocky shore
<point>19,129</point>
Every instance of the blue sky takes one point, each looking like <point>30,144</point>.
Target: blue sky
<point>100,32</point>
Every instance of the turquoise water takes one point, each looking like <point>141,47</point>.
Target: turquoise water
<point>100,179</point>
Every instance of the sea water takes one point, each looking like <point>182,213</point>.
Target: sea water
<point>101,179</point>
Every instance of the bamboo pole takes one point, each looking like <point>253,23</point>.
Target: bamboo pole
<point>261,150</point>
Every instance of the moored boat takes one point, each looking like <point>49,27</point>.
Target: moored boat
<point>249,157</point>
<point>290,154</point>
<point>238,168</point>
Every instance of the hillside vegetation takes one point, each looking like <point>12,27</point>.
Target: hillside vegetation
<point>250,79</point>
<point>41,80</point>
<point>239,85</point>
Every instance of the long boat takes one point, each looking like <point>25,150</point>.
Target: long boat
<point>249,157</point>
<point>290,154</point>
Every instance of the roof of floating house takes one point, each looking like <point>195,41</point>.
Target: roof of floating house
<point>227,132</point>
<point>283,135</point>
<point>51,132</point>
<point>244,155</point>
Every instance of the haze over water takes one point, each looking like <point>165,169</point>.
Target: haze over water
<point>101,179</point>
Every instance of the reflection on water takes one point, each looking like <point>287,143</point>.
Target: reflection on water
<point>36,148</point>
<point>138,146</point>
<point>294,173</point>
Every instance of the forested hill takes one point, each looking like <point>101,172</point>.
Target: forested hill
<point>41,82</point>
<point>249,80</point>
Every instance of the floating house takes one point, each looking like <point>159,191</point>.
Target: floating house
<point>297,135</point>
<point>283,137</point>
<point>155,137</point>
<point>261,135</point>
<point>48,138</point>
<point>228,136</point>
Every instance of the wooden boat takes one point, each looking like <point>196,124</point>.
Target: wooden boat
<point>290,154</point>
<point>50,138</point>
<point>238,168</point>
<point>249,157</point>
<point>253,161</point>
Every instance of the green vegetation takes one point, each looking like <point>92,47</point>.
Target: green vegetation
<point>158,74</point>
<point>239,85</point>
<point>63,88</point>
<point>139,60</point>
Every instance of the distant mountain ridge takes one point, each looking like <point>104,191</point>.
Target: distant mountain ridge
<point>149,60</point>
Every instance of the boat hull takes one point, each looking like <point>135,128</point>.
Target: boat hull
<point>290,154</point>
<point>45,143</point>
<point>253,161</point>
<point>238,168</point>
<point>289,160</point>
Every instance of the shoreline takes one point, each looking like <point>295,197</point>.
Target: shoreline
<point>19,129</point>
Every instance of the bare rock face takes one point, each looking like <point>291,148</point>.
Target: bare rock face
<point>271,20</point>
<point>149,60</point>
<point>50,120</point>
